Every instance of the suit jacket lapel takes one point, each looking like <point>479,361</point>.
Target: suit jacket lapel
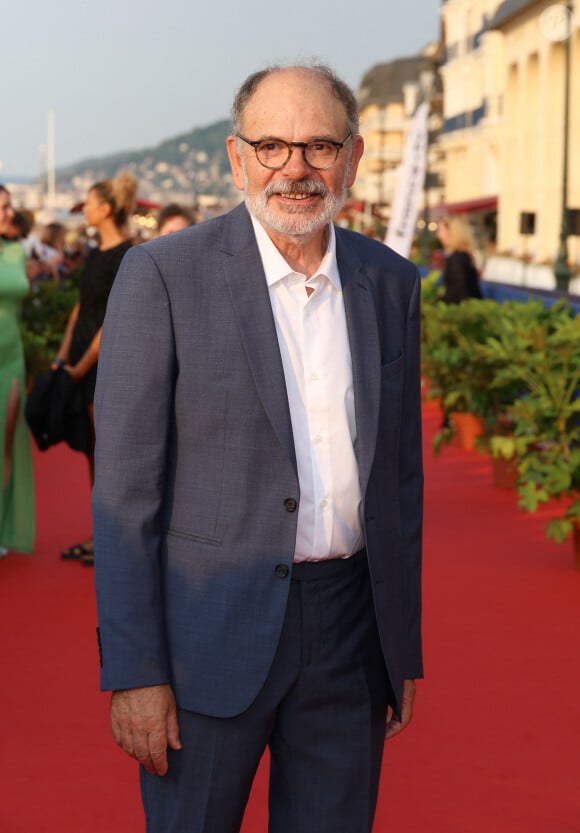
<point>361,319</point>
<point>246,281</point>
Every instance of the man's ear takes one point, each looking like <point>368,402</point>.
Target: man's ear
<point>357,152</point>
<point>235,162</point>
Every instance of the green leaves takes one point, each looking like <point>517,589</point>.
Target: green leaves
<point>517,365</point>
<point>45,312</point>
<point>501,446</point>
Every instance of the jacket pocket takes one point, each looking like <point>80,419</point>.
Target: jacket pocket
<point>188,536</point>
<point>393,368</point>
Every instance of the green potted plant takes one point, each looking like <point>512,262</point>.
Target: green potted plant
<point>505,353</point>
<point>460,374</point>
<point>546,421</point>
<point>517,366</point>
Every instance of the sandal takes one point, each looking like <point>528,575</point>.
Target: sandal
<point>88,560</point>
<point>77,552</point>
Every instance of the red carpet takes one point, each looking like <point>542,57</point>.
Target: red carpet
<point>495,744</point>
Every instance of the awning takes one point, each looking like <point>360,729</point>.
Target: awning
<point>465,207</point>
<point>147,205</point>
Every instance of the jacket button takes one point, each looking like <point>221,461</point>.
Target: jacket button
<point>282,570</point>
<point>290,504</point>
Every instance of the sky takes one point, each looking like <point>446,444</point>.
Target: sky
<point>124,75</point>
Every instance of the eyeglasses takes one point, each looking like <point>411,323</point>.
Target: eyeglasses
<point>275,153</point>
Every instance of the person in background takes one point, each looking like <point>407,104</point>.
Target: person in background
<point>16,473</point>
<point>75,252</point>
<point>173,217</point>
<point>258,495</point>
<point>20,226</point>
<point>49,255</point>
<point>108,208</point>
<point>33,244</point>
<point>460,275</point>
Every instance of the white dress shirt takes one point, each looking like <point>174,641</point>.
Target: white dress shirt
<point>315,351</point>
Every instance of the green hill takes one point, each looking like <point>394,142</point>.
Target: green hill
<point>190,164</point>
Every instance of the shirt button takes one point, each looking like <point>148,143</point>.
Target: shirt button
<point>282,571</point>
<point>290,504</point>
<point>323,504</point>
<point>318,439</point>
<point>314,377</point>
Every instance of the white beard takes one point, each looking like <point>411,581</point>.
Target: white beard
<point>296,220</point>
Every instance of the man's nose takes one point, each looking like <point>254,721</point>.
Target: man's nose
<point>297,165</point>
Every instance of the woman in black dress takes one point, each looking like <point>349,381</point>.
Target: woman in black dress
<point>108,207</point>
<point>460,275</point>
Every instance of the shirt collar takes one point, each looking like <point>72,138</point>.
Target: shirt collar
<point>276,268</point>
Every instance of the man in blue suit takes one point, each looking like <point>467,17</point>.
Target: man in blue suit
<point>258,497</point>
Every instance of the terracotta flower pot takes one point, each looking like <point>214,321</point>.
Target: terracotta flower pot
<point>467,428</point>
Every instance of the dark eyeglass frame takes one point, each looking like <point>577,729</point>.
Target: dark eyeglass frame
<point>338,146</point>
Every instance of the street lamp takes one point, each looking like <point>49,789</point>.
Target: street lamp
<point>556,23</point>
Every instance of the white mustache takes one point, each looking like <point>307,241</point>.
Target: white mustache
<point>303,186</point>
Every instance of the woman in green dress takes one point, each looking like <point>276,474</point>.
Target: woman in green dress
<point>16,473</point>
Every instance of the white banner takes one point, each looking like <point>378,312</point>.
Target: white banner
<point>403,220</point>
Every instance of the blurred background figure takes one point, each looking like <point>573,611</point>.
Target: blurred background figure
<point>174,217</point>
<point>44,245</point>
<point>460,275</point>
<point>20,225</point>
<point>49,255</point>
<point>32,241</point>
<point>16,474</point>
<point>75,252</point>
<point>108,207</point>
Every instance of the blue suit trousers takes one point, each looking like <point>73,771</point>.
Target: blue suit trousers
<point>321,712</point>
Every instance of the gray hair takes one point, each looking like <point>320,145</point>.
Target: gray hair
<point>339,88</point>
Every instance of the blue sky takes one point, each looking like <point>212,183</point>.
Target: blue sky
<point>121,74</point>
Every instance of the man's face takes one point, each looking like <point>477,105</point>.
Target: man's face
<point>297,200</point>
<point>6,212</point>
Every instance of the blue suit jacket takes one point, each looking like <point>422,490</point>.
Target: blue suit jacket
<point>195,462</point>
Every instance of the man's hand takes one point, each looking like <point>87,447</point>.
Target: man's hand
<point>144,723</point>
<point>395,726</point>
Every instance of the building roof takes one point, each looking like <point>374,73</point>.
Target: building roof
<point>384,82</point>
<point>507,11</point>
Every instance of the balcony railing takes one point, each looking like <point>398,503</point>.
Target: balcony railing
<point>463,47</point>
<point>463,121</point>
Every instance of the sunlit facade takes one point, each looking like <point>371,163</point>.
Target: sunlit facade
<point>471,74</point>
<point>532,146</point>
<point>503,76</point>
